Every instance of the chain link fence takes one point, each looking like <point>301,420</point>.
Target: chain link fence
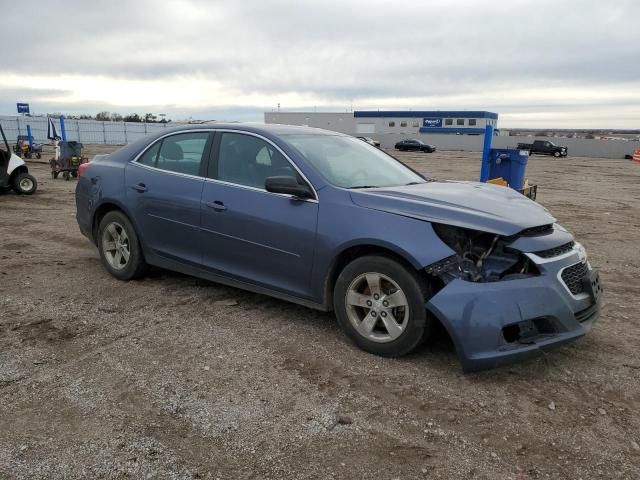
<point>84,131</point>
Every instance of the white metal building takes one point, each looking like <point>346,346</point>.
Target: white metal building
<point>384,123</point>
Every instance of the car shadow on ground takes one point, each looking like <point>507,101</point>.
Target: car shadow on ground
<point>438,353</point>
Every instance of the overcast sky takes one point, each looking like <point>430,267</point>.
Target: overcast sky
<point>543,63</point>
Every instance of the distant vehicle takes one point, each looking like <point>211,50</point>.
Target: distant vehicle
<point>416,145</point>
<point>13,171</point>
<point>370,141</point>
<point>544,147</point>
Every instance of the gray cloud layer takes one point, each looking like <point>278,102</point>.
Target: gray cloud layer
<point>360,51</point>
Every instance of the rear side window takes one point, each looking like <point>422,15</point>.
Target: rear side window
<point>150,156</point>
<point>180,153</point>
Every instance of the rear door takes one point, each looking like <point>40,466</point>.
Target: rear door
<point>164,188</point>
<point>248,233</point>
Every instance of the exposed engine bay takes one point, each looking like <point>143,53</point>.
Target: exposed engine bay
<point>479,257</point>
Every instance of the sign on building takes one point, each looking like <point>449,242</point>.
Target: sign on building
<point>23,107</point>
<point>432,122</point>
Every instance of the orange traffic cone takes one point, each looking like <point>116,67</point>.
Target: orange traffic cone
<point>636,156</point>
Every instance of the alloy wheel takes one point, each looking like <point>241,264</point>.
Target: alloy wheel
<point>115,246</point>
<point>377,307</point>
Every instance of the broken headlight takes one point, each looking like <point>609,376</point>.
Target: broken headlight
<point>479,257</point>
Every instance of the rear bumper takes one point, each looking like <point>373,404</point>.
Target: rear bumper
<point>497,323</point>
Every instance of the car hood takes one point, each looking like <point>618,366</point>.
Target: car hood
<point>478,206</point>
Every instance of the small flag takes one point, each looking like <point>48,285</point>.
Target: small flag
<point>52,133</point>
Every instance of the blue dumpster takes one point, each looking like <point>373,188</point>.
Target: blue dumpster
<point>509,164</point>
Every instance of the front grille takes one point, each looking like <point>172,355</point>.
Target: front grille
<point>572,277</point>
<point>554,252</point>
<point>533,231</point>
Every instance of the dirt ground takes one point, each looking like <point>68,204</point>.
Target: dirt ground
<point>168,378</point>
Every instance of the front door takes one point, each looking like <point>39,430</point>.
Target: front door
<point>248,233</point>
<point>164,188</point>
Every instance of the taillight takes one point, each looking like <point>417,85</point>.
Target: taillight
<point>82,167</point>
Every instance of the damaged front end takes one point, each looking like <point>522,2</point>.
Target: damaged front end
<point>504,298</point>
<point>479,257</point>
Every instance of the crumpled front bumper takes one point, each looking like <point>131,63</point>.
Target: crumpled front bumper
<point>539,312</point>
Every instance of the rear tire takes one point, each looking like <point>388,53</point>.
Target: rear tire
<point>119,247</point>
<point>396,321</point>
<point>24,184</point>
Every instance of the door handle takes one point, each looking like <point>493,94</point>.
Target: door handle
<point>139,187</point>
<point>218,206</point>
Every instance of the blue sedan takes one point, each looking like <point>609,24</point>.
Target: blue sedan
<point>327,221</point>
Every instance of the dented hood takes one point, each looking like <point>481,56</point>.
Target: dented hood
<point>478,206</point>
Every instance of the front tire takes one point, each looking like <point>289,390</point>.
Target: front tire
<point>556,154</point>
<point>24,184</point>
<point>380,305</point>
<point>119,247</point>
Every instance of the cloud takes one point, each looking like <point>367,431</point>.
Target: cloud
<point>518,56</point>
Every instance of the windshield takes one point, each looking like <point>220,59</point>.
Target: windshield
<point>351,163</point>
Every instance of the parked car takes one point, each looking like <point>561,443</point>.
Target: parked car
<point>544,147</point>
<point>324,220</point>
<point>370,141</point>
<point>415,145</point>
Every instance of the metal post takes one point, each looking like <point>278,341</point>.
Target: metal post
<point>104,133</point>
<point>125,132</point>
<point>30,137</point>
<point>78,130</point>
<point>63,131</point>
<point>488,137</point>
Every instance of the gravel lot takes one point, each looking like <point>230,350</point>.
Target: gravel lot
<point>169,377</point>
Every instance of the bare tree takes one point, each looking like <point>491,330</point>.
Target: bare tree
<point>132,117</point>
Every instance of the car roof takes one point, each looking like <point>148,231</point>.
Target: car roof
<point>264,128</point>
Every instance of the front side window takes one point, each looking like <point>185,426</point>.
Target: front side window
<point>181,153</point>
<point>350,163</point>
<point>248,160</point>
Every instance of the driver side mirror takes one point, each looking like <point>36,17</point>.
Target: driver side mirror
<point>287,185</point>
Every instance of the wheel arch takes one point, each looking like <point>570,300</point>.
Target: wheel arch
<point>17,171</point>
<point>349,253</point>
<point>105,207</point>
